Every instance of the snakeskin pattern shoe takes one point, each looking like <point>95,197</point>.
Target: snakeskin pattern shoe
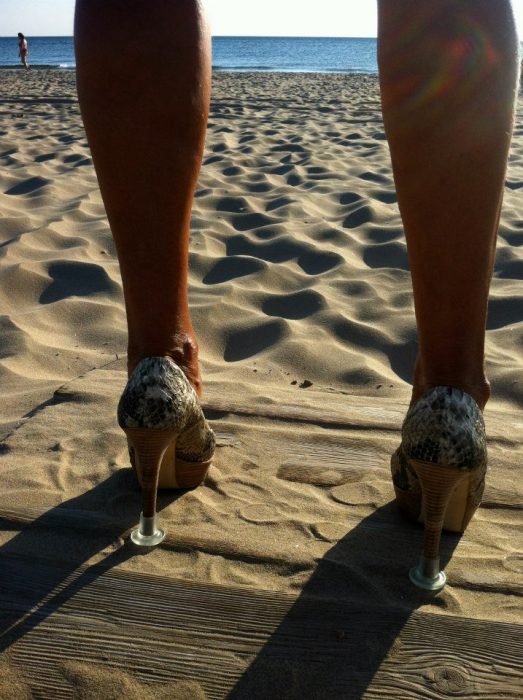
<point>170,442</point>
<point>438,471</point>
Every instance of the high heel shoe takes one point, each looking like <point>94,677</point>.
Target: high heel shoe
<point>438,471</point>
<point>170,442</point>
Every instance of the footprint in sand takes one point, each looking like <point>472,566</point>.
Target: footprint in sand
<point>233,267</point>
<point>310,474</point>
<point>253,340</point>
<point>71,278</point>
<point>329,532</point>
<point>393,254</point>
<point>260,513</point>
<point>32,184</point>
<point>358,494</point>
<point>293,306</point>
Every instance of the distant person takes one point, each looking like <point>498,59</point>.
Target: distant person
<point>22,49</point>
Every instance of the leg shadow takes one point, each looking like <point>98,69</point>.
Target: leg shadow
<point>334,638</point>
<point>39,565</point>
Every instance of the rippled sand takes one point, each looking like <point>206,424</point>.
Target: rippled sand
<point>302,303</point>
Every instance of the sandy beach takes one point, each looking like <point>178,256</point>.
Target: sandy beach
<point>302,304</point>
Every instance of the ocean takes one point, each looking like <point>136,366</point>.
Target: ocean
<point>289,54</point>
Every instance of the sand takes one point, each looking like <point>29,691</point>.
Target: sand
<point>301,300</point>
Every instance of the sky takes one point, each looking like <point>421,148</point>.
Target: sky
<point>227,17</point>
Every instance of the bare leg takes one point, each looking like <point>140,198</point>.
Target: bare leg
<point>143,72</point>
<point>448,74</point>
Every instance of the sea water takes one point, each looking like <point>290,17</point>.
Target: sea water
<point>295,54</point>
<point>289,54</point>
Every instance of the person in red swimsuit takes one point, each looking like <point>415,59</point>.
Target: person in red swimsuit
<point>22,46</point>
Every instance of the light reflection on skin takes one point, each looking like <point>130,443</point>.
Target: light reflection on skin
<point>458,71</point>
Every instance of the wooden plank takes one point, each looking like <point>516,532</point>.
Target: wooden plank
<point>293,494</point>
<point>245,644</point>
<point>305,479</point>
<point>321,407</point>
<point>328,409</point>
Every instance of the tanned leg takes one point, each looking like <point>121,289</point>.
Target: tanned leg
<point>143,73</point>
<point>448,75</point>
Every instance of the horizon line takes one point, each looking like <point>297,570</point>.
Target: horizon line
<point>215,36</point>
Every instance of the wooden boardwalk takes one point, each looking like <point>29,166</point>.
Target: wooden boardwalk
<point>277,604</point>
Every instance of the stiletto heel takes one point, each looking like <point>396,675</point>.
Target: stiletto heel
<point>148,447</point>
<point>170,443</point>
<point>439,472</point>
<point>437,485</point>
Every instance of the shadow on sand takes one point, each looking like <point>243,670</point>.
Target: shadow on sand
<point>348,618</point>
<point>32,587</point>
<point>330,642</point>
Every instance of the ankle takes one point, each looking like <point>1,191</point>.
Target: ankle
<point>480,391</point>
<point>182,349</point>
<point>429,374</point>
